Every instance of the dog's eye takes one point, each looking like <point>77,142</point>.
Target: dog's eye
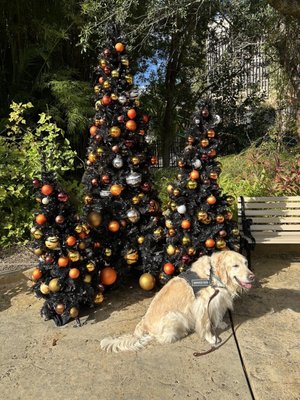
<point>236,266</point>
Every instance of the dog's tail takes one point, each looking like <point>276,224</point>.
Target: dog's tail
<point>125,343</point>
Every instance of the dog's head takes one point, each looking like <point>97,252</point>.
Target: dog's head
<point>232,268</point>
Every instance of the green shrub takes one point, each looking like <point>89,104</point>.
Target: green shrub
<point>22,149</point>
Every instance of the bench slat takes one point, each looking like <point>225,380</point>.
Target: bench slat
<point>275,220</point>
<point>277,228</point>
<point>277,240</point>
<point>274,213</point>
<point>264,199</point>
<point>279,205</point>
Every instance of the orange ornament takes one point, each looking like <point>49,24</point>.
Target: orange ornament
<point>154,160</point>
<point>74,273</point>
<point>108,276</point>
<point>211,133</point>
<point>63,262</point>
<point>116,190</point>
<point>106,100</point>
<point>169,269</point>
<point>211,200</point>
<point>93,130</point>
<point>210,243</point>
<point>101,80</point>
<point>59,308</point>
<point>47,190</point>
<point>185,224</point>
<point>131,113</point>
<point>114,226</point>
<point>131,125</point>
<point>194,174</point>
<point>71,240</point>
<point>212,153</point>
<point>119,47</point>
<point>40,219</point>
<point>36,274</point>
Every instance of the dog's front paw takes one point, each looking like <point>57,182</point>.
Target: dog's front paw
<point>213,340</point>
<point>222,325</point>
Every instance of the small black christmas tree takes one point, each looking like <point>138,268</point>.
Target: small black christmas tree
<point>198,219</point>
<point>121,206</point>
<point>66,276</point>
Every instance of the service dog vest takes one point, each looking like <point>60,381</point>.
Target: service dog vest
<point>194,281</point>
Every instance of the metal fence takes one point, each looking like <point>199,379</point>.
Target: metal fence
<point>175,150</point>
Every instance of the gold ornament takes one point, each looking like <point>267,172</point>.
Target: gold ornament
<point>173,206</point>
<point>74,255</point>
<point>96,89</point>
<point>220,244</point>
<point>74,312</point>
<point>213,175</point>
<point>90,266</point>
<point>115,131</point>
<point>44,288</point>
<point>116,189</point>
<point>36,233</point>
<point>191,251</point>
<point>141,195</point>
<point>98,105</point>
<point>202,215</point>
<point>135,200</point>
<point>220,218</point>
<point>204,142</point>
<point>141,239</point>
<point>115,73</point>
<point>102,62</point>
<point>106,84</point>
<point>114,96</point>
<point>235,232</point>
<point>171,232</point>
<point>176,192</point>
<point>131,256</point>
<point>100,151</point>
<point>181,268</point>
<point>98,299</point>
<point>81,245</point>
<point>87,278</point>
<point>159,232</point>
<point>95,219</point>
<point>88,199</point>
<point>54,285</point>
<point>129,79</point>
<point>206,221</point>
<point>125,61</point>
<point>170,189</point>
<point>52,243</point>
<point>92,157</point>
<point>38,251</point>
<point>186,240</point>
<point>108,252</point>
<point>135,160</point>
<point>191,185</point>
<point>169,223</point>
<point>170,250</point>
<point>147,281</point>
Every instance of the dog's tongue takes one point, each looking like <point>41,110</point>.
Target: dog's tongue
<point>246,285</point>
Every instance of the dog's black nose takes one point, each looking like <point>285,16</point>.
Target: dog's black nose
<point>251,277</point>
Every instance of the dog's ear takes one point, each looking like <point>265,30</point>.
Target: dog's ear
<point>218,262</point>
<point>202,266</point>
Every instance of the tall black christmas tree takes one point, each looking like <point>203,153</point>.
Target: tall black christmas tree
<point>121,206</point>
<point>66,276</point>
<point>198,219</point>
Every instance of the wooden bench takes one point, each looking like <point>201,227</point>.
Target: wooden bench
<point>268,220</point>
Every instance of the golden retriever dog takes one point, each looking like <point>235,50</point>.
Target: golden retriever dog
<point>176,310</point>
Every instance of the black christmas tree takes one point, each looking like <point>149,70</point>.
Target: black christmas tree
<point>66,276</point>
<point>198,219</point>
<point>121,205</point>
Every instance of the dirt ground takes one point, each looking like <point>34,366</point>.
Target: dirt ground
<point>41,361</point>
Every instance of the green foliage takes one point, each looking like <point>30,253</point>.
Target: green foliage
<point>23,149</point>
